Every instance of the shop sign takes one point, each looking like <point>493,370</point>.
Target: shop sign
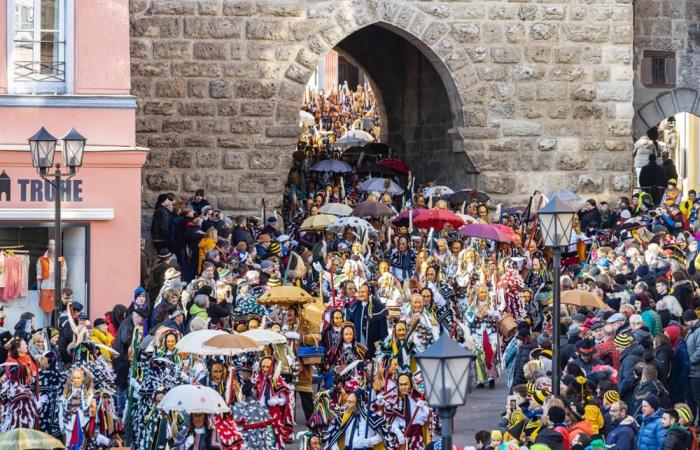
<point>38,190</point>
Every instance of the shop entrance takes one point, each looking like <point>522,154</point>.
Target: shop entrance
<point>379,81</point>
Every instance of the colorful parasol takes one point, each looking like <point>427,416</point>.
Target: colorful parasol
<point>485,231</point>
<point>192,342</point>
<point>336,209</point>
<point>319,222</point>
<point>437,191</point>
<point>437,218</point>
<point>372,209</point>
<point>285,296</point>
<point>28,439</point>
<point>468,196</point>
<point>395,164</point>
<point>193,399</point>
<point>402,219</point>
<point>229,344</point>
<point>578,297</point>
<point>380,185</point>
<point>331,165</point>
<point>265,337</point>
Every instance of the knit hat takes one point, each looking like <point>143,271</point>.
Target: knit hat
<point>496,435</point>
<point>556,414</point>
<point>274,282</point>
<point>586,346</point>
<point>620,279</point>
<point>653,401</point>
<point>574,330</point>
<point>53,332</point>
<point>623,340</point>
<point>685,413</point>
<point>689,315</point>
<point>139,292</point>
<point>530,388</point>
<point>523,333</point>
<point>611,397</point>
<point>99,321</point>
<point>275,248</point>
<point>540,396</point>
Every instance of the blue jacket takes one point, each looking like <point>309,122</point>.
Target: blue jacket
<point>626,381</point>
<point>652,434</point>
<point>621,435</point>
<point>680,370</point>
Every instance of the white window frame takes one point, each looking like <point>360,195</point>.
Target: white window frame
<point>66,34</point>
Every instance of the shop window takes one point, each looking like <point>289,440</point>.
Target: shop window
<point>658,69</point>
<point>21,248</point>
<point>39,46</point>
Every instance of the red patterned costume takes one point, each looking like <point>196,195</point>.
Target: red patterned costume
<point>274,393</point>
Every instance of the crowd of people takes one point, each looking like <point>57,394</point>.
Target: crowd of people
<point>391,269</point>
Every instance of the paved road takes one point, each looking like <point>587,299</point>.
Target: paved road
<point>482,412</point>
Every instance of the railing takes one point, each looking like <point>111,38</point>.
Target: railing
<point>39,71</point>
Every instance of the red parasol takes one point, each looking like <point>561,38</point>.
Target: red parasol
<point>507,231</point>
<point>395,164</point>
<point>437,218</point>
<point>487,231</point>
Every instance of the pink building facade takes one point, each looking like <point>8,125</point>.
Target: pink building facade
<point>63,64</point>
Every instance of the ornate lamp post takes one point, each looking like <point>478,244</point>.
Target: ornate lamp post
<point>446,370</point>
<point>556,219</point>
<point>43,148</point>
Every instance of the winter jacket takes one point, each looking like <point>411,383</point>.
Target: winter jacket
<point>670,169</point>
<point>105,339</point>
<point>663,360</point>
<point>652,179</point>
<point>622,434</point>
<point>626,381</point>
<point>568,350</point>
<point>551,438</point>
<point>642,149</point>
<point>198,311</point>
<point>160,226</point>
<point>644,390</point>
<point>692,340</point>
<point>677,438</point>
<point>680,370</point>
<point>521,358</point>
<point>652,434</point>
<point>684,292</point>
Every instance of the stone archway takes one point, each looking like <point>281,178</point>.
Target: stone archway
<point>423,113</point>
<point>665,105</point>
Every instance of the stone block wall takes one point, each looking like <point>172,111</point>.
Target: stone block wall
<point>536,95</point>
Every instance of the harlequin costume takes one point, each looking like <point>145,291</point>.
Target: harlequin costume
<point>409,417</point>
<point>274,393</point>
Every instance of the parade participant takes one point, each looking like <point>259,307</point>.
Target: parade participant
<point>399,346</point>
<point>76,405</point>
<point>274,393</point>
<point>423,328</point>
<point>480,317</point>
<point>369,317</point>
<point>402,260</point>
<point>443,299</point>
<point>254,421</point>
<point>358,428</point>
<point>408,416</point>
<point>347,350</point>
<point>389,290</point>
<point>19,404</point>
<point>331,331</point>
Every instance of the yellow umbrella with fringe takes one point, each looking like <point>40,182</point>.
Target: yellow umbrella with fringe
<point>285,296</point>
<point>28,439</point>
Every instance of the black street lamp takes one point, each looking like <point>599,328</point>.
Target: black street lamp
<point>446,370</point>
<point>556,220</point>
<point>43,148</point>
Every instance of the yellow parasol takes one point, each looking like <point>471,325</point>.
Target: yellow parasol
<point>285,296</point>
<point>319,222</point>
<point>28,439</point>
<point>312,313</point>
<point>579,297</point>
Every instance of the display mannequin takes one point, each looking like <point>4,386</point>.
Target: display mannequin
<point>45,277</point>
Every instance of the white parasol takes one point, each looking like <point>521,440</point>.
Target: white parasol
<point>437,191</point>
<point>336,209</point>
<point>192,342</point>
<point>265,337</point>
<point>353,222</point>
<point>193,399</point>
<point>360,134</point>
<point>380,185</point>
<point>306,118</point>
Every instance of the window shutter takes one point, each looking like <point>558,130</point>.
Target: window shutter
<point>670,71</point>
<point>646,71</point>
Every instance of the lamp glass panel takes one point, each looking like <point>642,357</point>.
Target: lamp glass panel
<point>432,374</point>
<point>42,153</point>
<point>548,227</point>
<point>73,156</point>
<point>456,377</point>
<point>564,224</point>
